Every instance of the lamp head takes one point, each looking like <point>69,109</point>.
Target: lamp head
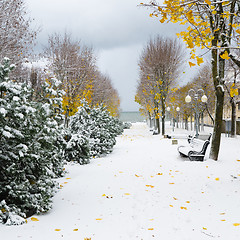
<point>177,109</point>
<point>188,99</point>
<point>204,98</point>
<point>168,109</point>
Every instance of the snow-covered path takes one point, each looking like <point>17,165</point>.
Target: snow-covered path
<point>143,190</point>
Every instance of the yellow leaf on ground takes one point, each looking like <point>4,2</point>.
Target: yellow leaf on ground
<point>174,198</point>
<point>104,195</point>
<point>34,219</point>
<point>172,183</point>
<point>238,160</point>
<point>217,179</point>
<point>171,205</point>
<point>126,193</point>
<point>57,230</point>
<point>184,208</point>
<point>75,230</point>
<point>160,174</point>
<point>223,220</point>
<point>150,228</point>
<point>187,201</point>
<point>150,186</point>
<point>137,175</point>
<point>68,178</point>
<point>98,219</point>
<point>204,228</point>
<point>236,224</point>
<point>222,213</point>
<point>65,182</point>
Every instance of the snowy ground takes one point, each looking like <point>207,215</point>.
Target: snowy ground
<point>144,190</point>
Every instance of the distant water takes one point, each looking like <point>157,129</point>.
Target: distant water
<point>131,117</point>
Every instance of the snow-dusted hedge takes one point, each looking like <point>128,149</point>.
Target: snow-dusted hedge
<point>30,152</point>
<point>34,144</point>
<point>98,126</point>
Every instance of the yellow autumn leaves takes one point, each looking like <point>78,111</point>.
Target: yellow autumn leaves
<point>199,18</point>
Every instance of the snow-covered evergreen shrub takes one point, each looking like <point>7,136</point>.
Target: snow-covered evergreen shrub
<point>30,152</point>
<point>127,125</point>
<point>98,126</point>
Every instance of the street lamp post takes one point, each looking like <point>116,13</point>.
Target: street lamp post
<point>196,96</point>
<point>177,109</point>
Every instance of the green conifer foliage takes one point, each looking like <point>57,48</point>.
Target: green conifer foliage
<point>30,152</point>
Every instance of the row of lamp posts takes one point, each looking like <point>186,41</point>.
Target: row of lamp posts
<point>177,109</point>
<point>196,96</point>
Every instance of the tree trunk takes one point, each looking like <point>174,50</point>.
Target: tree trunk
<point>158,125</point>
<point>218,75</point>
<point>217,130</point>
<point>163,116</point>
<point>234,116</point>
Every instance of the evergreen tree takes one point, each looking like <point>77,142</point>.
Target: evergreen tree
<point>30,152</point>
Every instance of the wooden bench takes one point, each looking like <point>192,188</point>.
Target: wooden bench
<point>196,148</point>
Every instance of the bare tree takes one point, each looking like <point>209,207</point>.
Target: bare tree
<point>160,64</point>
<point>16,35</point>
<point>73,64</point>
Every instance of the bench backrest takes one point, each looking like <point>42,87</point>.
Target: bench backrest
<point>204,148</point>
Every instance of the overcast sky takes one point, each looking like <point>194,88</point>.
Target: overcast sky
<point>116,29</point>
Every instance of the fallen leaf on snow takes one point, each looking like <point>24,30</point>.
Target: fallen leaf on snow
<point>172,183</point>
<point>98,219</point>
<point>171,205</point>
<point>223,220</point>
<point>184,208</point>
<point>187,201</point>
<point>150,186</point>
<point>150,229</point>
<point>217,179</point>
<point>174,198</point>
<point>34,219</point>
<point>68,178</point>
<point>222,213</point>
<point>57,230</point>
<point>160,174</point>
<point>204,228</point>
<point>236,224</point>
<point>75,230</point>
<point>126,193</point>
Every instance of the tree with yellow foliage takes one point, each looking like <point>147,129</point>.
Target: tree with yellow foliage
<point>213,25</point>
<point>75,66</point>
<point>159,63</point>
